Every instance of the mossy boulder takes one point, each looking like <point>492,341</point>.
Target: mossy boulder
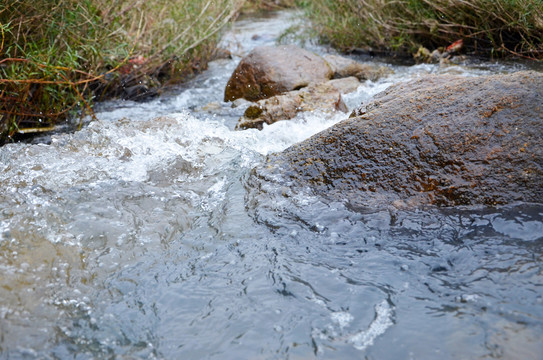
<point>444,140</point>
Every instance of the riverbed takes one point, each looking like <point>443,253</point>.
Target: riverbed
<point>145,235</point>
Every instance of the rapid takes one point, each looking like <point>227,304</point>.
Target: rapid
<point>145,236</point>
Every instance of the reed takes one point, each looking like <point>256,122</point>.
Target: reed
<point>488,27</point>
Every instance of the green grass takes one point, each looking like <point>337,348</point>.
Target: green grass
<point>488,27</point>
<point>57,57</point>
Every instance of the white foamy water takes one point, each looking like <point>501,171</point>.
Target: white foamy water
<point>127,150</point>
<point>382,321</point>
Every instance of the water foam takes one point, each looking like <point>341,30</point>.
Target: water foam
<point>383,320</point>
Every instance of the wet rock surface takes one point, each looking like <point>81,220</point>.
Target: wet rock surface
<point>444,140</point>
<point>324,96</point>
<point>269,71</point>
<point>345,67</point>
<point>285,80</point>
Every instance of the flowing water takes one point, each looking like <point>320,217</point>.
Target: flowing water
<point>144,235</point>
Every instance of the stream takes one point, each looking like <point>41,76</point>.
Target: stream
<point>145,236</point>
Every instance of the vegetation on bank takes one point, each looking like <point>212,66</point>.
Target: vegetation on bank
<point>487,27</point>
<point>58,57</point>
<point>257,5</point>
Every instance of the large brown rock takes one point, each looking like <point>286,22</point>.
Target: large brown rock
<point>324,96</point>
<point>444,140</point>
<point>269,71</point>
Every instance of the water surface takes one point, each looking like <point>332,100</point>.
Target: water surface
<point>145,235</point>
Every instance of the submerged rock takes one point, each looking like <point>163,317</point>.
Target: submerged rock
<point>269,71</point>
<point>444,140</point>
<point>324,96</point>
<point>345,67</point>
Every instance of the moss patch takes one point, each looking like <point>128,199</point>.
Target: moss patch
<point>253,112</point>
